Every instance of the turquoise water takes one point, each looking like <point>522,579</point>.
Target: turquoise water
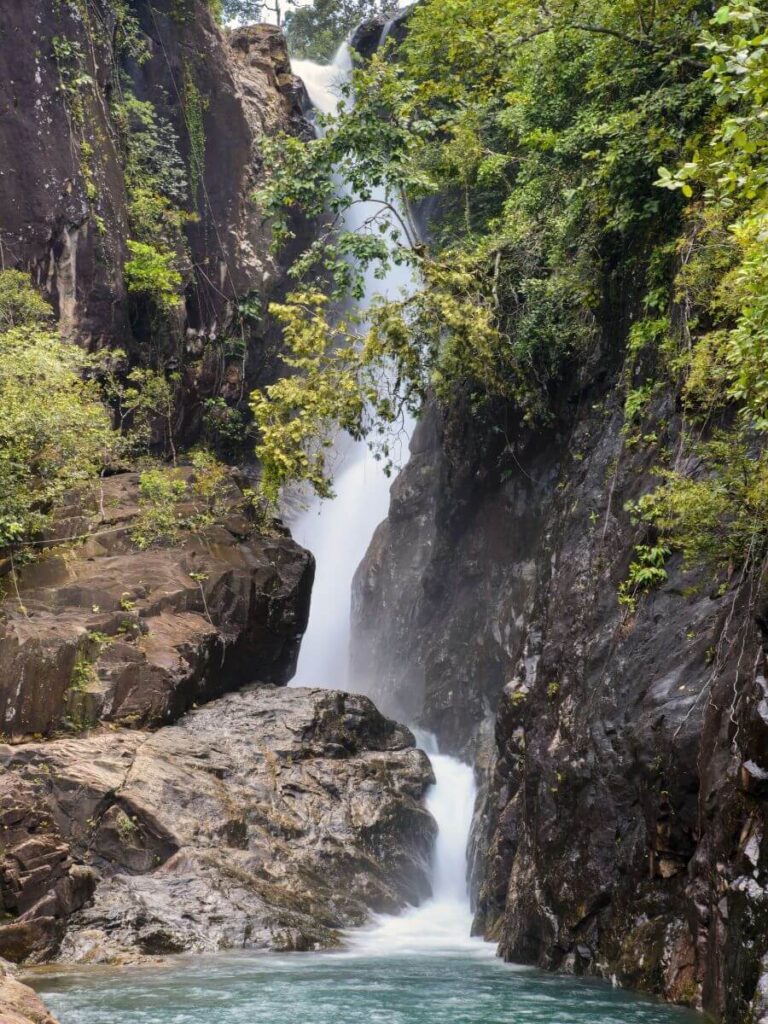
<point>334,988</point>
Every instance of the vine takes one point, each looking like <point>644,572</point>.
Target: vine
<point>194,119</point>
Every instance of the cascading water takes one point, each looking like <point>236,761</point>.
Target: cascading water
<point>441,924</point>
<point>338,533</point>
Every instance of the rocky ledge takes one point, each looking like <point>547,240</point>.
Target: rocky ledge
<point>270,818</point>
<point>19,1004</point>
<point>97,629</point>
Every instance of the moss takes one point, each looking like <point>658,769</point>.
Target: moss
<point>194,119</point>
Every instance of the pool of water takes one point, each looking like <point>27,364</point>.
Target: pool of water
<point>471,987</point>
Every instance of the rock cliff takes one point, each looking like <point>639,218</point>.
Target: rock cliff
<point>64,211</point>
<point>623,754</point>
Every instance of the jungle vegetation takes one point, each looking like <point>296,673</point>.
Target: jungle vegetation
<point>600,168</point>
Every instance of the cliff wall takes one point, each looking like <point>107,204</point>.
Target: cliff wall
<point>64,205</point>
<point>622,753</point>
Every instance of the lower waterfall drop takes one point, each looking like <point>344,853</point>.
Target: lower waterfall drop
<point>441,924</point>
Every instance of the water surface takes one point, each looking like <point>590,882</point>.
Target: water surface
<point>338,988</point>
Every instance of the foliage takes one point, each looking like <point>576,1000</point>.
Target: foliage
<point>225,426</point>
<point>151,273</point>
<point>55,432</point>
<point>541,128</point>
<point>248,11</point>
<point>155,176</point>
<point>730,173</point>
<point>194,107</point>
<point>646,572</point>
<point>714,510</point>
<point>209,479</point>
<point>718,517</point>
<point>164,490</point>
<point>20,304</point>
<point>324,391</point>
<point>157,188</point>
<point>159,520</point>
<point>84,676</point>
<point>316,30</point>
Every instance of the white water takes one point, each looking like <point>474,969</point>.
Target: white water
<point>338,532</point>
<point>441,924</point>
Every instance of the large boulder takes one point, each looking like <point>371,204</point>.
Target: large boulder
<point>271,818</point>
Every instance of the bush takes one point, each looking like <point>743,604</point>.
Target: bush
<point>152,273</point>
<point>20,304</point>
<point>55,432</point>
<point>158,521</point>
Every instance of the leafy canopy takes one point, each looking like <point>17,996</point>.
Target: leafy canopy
<point>537,131</point>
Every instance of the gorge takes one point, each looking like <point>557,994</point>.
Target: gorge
<point>470,739</point>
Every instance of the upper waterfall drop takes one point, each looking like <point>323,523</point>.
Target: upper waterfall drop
<point>338,532</point>
<point>323,81</point>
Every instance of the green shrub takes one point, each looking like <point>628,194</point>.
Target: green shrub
<point>152,273</point>
<point>718,516</point>
<point>646,572</point>
<point>159,520</point>
<point>55,432</point>
<point>20,304</point>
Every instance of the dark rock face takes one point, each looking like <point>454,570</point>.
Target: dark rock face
<point>104,631</point>
<point>63,206</point>
<point>269,818</point>
<point>440,601</point>
<point>623,827</point>
<point>46,223</point>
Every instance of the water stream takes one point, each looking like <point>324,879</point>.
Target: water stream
<point>419,967</point>
<point>338,532</point>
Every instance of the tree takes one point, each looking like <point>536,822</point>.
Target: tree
<point>317,30</point>
<point>250,11</point>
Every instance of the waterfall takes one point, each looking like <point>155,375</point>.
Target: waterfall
<point>442,923</point>
<point>338,532</point>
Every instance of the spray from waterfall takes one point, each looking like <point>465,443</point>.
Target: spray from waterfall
<point>338,532</point>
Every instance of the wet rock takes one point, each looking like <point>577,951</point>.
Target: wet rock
<point>271,818</point>
<point>754,779</point>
